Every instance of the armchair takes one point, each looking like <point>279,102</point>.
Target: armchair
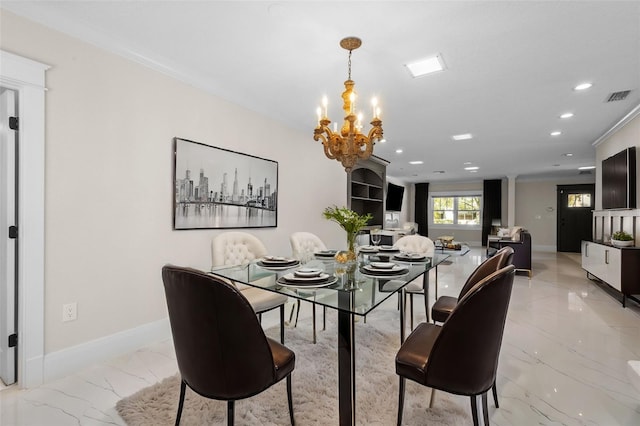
<point>521,245</point>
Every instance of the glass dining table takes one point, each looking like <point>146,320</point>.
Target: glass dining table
<point>356,292</point>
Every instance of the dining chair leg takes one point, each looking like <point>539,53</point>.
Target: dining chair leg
<point>495,394</point>
<point>411,309</point>
<point>324,318</point>
<point>432,400</point>
<point>290,400</point>
<point>474,410</point>
<point>230,412</point>
<point>485,411</point>
<point>314,323</point>
<point>282,323</point>
<point>183,388</point>
<point>297,314</point>
<point>401,399</point>
<point>293,308</point>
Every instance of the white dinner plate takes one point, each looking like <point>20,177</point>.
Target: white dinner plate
<point>382,265</point>
<point>307,272</point>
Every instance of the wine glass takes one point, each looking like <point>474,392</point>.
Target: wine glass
<point>375,237</point>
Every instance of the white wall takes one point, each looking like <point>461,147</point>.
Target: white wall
<point>624,137</point>
<point>109,129</point>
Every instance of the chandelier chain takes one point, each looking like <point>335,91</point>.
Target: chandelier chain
<point>349,64</point>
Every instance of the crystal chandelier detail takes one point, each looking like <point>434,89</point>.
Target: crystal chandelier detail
<point>349,144</point>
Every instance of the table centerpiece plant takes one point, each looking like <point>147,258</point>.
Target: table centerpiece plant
<point>351,222</point>
<point>621,239</point>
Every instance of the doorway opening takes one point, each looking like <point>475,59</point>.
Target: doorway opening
<point>575,203</point>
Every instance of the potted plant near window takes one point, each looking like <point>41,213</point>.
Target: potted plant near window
<point>622,239</point>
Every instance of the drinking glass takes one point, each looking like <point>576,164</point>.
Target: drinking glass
<point>375,237</point>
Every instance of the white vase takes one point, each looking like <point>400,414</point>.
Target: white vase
<point>618,243</point>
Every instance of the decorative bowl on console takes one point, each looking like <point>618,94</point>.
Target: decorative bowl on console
<point>620,243</point>
<point>622,239</point>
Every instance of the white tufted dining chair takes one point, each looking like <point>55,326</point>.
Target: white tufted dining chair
<point>303,246</point>
<point>416,244</point>
<point>239,248</point>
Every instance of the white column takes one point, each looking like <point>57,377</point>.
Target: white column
<point>511,203</point>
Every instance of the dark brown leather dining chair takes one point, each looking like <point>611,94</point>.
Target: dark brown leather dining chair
<point>461,355</point>
<point>443,307</point>
<point>221,349</point>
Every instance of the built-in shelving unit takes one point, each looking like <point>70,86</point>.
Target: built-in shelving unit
<point>366,188</point>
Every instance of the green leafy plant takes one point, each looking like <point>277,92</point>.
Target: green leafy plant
<point>348,220</point>
<point>622,236</point>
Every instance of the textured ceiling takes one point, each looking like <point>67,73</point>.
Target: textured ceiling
<point>511,67</point>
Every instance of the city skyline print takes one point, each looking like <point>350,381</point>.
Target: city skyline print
<point>219,188</point>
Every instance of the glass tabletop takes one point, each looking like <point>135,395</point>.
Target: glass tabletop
<point>357,292</point>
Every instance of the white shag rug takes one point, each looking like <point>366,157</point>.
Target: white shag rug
<point>314,386</point>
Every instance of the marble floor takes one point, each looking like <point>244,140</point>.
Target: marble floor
<point>563,360</point>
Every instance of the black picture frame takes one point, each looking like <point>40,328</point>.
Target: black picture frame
<point>228,190</point>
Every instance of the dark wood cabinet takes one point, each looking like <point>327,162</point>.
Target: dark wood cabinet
<point>366,188</point>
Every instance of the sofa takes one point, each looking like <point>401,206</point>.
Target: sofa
<point>520,240</point>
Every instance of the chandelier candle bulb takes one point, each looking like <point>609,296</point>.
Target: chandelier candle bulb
<point>325,102</point>
<point>319,112</point>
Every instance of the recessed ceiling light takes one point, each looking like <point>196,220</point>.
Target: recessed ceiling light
<point>398,151</point>
<point>425,66</point>
<point>462,137</point>
<point>416,162</point>
<point>587,168</point>
<point>583,86</point>
<point>556,133</point>
<point>383,140</point>
<point>472,168</point>
<point>567,115</point>
<point>568,154</point>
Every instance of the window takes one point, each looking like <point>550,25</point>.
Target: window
<point>579,200</point>
<point>456,210</point>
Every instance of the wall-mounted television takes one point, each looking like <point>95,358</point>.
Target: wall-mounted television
<point>394,197</point>
<point>619,180</point>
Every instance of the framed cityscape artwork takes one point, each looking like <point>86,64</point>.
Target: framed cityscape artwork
<point>218,188</point>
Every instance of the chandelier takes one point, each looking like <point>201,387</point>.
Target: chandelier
<point>349,144</point>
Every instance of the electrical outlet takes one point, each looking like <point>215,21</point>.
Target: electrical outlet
<point>69,312</point>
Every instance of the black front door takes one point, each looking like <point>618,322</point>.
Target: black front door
<point>575,203</point>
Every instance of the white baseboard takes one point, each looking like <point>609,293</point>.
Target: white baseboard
<point>67,361</point>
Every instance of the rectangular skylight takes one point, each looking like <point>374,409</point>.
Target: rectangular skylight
<point>462,137</point>
<point>426,66</point>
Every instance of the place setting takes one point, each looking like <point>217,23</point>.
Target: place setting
<point>410,257</point>
<point>384,269</point>
<point>307,278</point>
<point>325,254</point>
<point>277,263</point>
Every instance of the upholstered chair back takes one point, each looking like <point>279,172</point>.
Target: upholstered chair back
<point>464,357</point>
<point>304,244</point>
<point>501,259</point>
<point>207,314</point>
<point>416,244</point>
<point>236,248</point>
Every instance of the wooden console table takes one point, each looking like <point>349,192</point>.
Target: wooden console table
<point>617,267</point>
